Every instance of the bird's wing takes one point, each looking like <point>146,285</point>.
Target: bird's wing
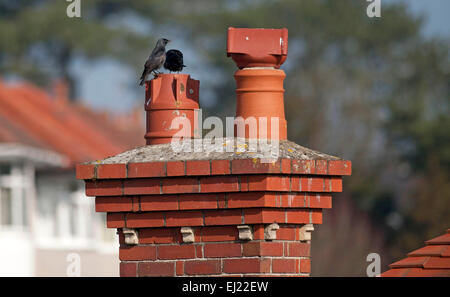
<point>152,63</point>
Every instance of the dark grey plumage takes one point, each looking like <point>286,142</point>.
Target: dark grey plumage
<point>155,60</point>
<point>174,60</point>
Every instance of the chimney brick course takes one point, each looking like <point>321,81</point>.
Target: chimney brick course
<point>214,198</point>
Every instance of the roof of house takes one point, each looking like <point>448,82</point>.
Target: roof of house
<point>33,117</point>
<point>430,260</point>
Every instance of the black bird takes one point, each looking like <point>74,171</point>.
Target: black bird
<point>155,60</point>
<point>174,60</point>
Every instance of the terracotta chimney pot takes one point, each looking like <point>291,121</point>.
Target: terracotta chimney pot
<point>257,47</point>
<point>167,97</point>
<point>259,53</point>
<point>260,95</point>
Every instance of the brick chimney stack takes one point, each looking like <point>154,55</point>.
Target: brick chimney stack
<point>216,213</point>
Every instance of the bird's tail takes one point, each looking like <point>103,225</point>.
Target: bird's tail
<point>143,77</point>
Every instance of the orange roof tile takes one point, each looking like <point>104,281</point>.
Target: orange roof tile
<point>431,260</point>
<point>29,115</point>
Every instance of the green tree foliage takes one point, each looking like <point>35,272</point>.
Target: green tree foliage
<point>39,42</point>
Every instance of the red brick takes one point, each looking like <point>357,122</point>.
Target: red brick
<point>222,233</point>
<point>298,249</point>
<point>145,220</point>
<point>312,184</point>
<point>286,233</point>
<point>297,216</point>
<point>169,252</point>
<point>319,201</point>
<point>223,217</point>
<point>85,171</point>
<point>202,267</point>
<point>184,218</point>
<point>286,166</point>
<point>219,167</point>
<point>156,269</point>
<point>260,216</point>
<point>176,168</point>
<point>305,266</point>
<point>180,185</point>
<point>104,188</point>
<point>293,200</point>
<point>113,204</point>
<point>295,184</point>
<point>222,201</point>
<point>131,253</point>
<point>251,199</point>
<point>198,167</point>
<point>111,171</point>
<point>202,201</point>
<point>253,265</point>
<point>303,166</point>
<point>262,248</point>
<point>142,186</point>
<point>154,169</point>
<point>243,183</point>
<point>347,168</point>
<point>321,166</point>
<point>258,232</point>
<point>198,251</point>
<point>284,265</point>
<point>159,235</point>
<point>339,167</point>
<point>248,166</point>
<point>180,268</point>
<point>327,185</point>
<point>121,237</point>
<point>222,250</point>
<point>128,269</point>
<point>115,220</point>
<point>136,203</point>
<point>316,216</point>
<point>219,184</point>
<point>159,202</point>
<point>268,183</point>
<point>257,183</point>
<point>336,184</point>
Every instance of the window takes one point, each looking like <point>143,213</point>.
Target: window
<point>5,169</point>
<point>5,207</point>
<point>13,203</point>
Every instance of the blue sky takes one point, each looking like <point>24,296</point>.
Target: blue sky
<point>108,85</point>
<point>437,13</point>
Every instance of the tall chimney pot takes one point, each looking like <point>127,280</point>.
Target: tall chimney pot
<point>259,53</point>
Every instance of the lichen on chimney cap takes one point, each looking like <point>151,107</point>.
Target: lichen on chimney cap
<point>164,152</point>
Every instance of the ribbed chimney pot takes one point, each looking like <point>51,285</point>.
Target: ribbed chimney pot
<point>167,97</point>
